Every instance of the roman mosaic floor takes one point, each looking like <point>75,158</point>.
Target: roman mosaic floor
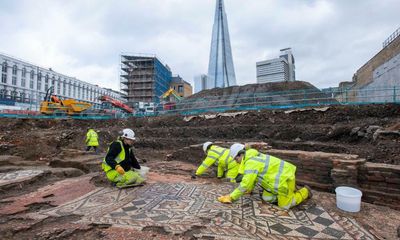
<point>16,176</point>
<point>179,208</point>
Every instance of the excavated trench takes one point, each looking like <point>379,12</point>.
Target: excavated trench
<point>371,132</point>
<point>49,228</point>
<point>338,129</point>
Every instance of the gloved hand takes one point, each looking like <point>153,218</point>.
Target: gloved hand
<point>120,170</point>
<point>225,199</point>
<point>193,175</point>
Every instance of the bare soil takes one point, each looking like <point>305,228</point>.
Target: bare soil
<point>370,131</point>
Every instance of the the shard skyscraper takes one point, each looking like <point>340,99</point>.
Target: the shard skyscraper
<point>221,72</point>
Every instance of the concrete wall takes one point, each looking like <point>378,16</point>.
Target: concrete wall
<point>364,75</point>
<point>385,85</point>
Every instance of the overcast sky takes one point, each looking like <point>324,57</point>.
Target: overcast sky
<point>330,40</point>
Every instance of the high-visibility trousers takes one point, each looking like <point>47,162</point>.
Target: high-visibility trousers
<point>130,177</point>
<point>231,174</point>
<point>293,198</point>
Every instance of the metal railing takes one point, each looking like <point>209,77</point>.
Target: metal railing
<point>256,101</point>
<point>392,37</point>
<point>288,99</point>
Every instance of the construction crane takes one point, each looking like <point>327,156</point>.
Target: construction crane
<point>170,104</point>
<point>54,105</point>
<point>116,103</point>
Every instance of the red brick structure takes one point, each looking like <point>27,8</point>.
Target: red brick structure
<point>380,183</point>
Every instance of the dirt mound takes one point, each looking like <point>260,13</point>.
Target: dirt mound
<point>278,87</point>
<point>275,94</point>
<point>370,131</point>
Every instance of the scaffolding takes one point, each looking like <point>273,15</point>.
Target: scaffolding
<point>143,78</point>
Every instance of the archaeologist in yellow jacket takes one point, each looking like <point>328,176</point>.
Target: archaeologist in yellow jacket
<point>227,166</point>
<point>92,140</point>
<point>120,162</point>
<point>275,176</point>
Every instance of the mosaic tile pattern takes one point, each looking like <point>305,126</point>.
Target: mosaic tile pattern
<point>96,203</point>
<point>10,177</point>
<point>180,208</point>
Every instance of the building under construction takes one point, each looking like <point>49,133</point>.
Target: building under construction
<point>144,78</point>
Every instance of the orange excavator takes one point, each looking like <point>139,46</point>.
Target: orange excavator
<point>54,105</point>
<point>116,103</point>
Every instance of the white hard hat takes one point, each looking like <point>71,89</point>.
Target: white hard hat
<point>235,149</point>
<point>128,133</point>
<point>206,145</point>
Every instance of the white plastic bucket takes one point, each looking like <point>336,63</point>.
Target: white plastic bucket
<point>348,199</point>
<point>143,171</point>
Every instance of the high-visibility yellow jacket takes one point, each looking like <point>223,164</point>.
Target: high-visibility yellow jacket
<point>220,157</point>
<point>92,138</point>
<point>121,157</point>
<point>270,172</point>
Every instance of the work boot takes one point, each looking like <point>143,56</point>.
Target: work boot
<point>310,194</point>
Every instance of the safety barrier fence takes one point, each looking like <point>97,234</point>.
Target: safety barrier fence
<point>288,99</point>
<point>253,101</point>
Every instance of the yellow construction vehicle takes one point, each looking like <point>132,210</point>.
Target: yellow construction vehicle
<point>168,102</point>
<point>54,105</point>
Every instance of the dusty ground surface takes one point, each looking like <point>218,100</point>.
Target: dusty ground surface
<point>371,131</point>
<point>87,207</point>
<point>61,172</point>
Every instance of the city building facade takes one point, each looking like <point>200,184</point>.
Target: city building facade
<point>183,88</point>
<point>144,78</point>
<point>24,85</point>
<point>221,71</point>
<point>200,83</point>
<point>280,69</point>
<point>286,53</point>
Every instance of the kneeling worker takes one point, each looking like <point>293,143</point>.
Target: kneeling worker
<point>276,177</point>
<point>227,166</point>
<point>120,160</point>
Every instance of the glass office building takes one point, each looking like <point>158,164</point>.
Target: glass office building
<point>221,72</point>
